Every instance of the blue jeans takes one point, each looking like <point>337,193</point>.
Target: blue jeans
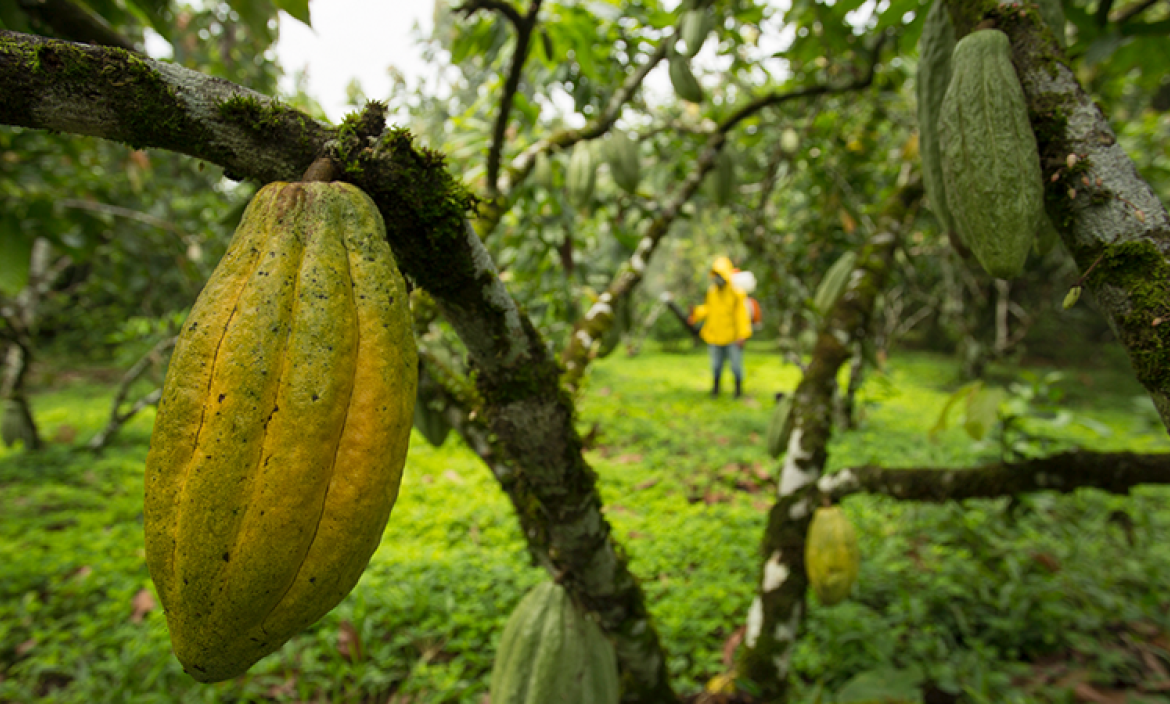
<point>721,353</point>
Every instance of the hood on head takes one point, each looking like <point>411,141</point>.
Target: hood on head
<point>723,267</point>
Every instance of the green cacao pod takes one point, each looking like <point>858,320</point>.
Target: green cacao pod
<point>935,47</point>
<point>431,422</point>
<point>780,427</point>
<point>991,165</point>
<point>722,177</point>
<point>582,175</point>
<point>620,324</point>
<point>624,163</point>
<point>831,556</point>
<point>282,429</point>
<point>693,29</point>
<point>833,283</point>
<point>686,86</point>
<point>551,652</point>
<point>542,174</point>
<point>1053,13</point>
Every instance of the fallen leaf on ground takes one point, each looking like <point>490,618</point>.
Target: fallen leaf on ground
<point>731,644</point>
<point>142,604</point>
<point>349,643</point>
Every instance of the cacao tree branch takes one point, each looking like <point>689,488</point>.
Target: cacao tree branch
<point>471,7</point>
<point>593,325</point>
<point>1094,196</point>
<point>776,616</point>
<point>73,22</point>
<point>113,94</point>
<point>780,97</point>
<point>119,211</point>
<point>1127,13</point>
<point>1114,472</point>
<point>524,26</point>
<point>117,417</point>
<point>1102,14</point>
<point>522,165</point>
<point>109,93</point>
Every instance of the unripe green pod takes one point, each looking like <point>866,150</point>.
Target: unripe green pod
<point>582,174</point>
<point>551,652</point>
<point>685,84</point>
<point>990,162</point>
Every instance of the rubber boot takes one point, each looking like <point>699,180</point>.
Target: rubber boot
<point>715,388</point>
<point>738,388</point>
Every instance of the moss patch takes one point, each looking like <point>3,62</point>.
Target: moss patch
<point>1140,269</point>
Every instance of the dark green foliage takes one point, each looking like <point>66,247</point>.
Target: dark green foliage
<point>968,597</point>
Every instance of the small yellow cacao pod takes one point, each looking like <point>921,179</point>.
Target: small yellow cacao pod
<point>832,558</point>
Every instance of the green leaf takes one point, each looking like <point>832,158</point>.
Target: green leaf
<point>886,685</point>
<point>962,392</point>
<point>15,251</point>
<point>299,9</point>
<point>983,411</point>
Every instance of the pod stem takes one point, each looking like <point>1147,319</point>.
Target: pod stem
<point>324,169</point>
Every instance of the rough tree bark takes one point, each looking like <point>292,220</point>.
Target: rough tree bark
<point>1115,472</point>
<point>111,94</point>
<point>1109,219</point>
<point>776,615</point>
<point>118,417</point>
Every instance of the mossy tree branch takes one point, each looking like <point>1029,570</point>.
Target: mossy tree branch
<point>111,94</point>
<point>1104,211</point>
<point>1115,472</point>
<point>776,616</point>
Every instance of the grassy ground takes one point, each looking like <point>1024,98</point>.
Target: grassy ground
<point>1046,600</point>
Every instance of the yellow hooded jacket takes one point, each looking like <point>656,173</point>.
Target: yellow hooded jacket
<point>726,316</point>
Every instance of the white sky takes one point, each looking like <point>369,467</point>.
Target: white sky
<point>352,39</point>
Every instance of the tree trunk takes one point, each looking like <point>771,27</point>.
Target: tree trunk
<point>776,616</point>
<point>1109,219</point>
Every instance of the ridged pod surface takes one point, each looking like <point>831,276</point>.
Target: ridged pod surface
<point>686,86</point>
<point>550,653</point>
<point>780,427</point>
<point>990,162</point>
<point>831,556</point>
<point>625,164</point>
<point>694,28</point>
<point>282,430</point>
<point>582,174</point>
<point>935,47</point>
<point>833,285</point>
<point>722,177</point>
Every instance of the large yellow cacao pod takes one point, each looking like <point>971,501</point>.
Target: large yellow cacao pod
<point>831,556</point>
<point>282,429</point>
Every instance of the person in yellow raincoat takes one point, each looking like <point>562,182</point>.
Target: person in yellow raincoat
<point>726,324</point>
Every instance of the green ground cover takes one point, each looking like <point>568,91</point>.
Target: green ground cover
<point>989,601</point>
